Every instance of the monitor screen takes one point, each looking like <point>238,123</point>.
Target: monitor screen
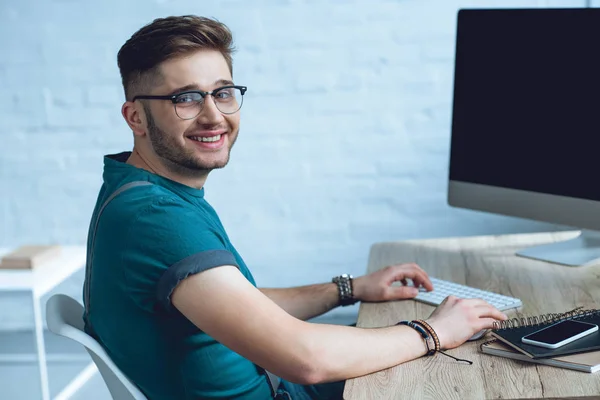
<point>526,112</point>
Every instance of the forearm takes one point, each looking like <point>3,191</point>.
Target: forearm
<point>341,352</point>
<point>252,325</point>
<point>305,302</point>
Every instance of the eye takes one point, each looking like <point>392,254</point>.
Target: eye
<point>188,98</point>
<point>225,94</point>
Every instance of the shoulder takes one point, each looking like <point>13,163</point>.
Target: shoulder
<point>143,202</point>
<point>153,219</point>
<point>146,214</point>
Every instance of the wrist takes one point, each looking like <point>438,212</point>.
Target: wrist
<point>427,332</point>
<point>435,327</point>
<point>345,287</point>
<point>429,348</point>
<point>358,288</point>
<point>432,333</point>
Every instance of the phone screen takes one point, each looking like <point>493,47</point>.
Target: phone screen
<point>559,332</point>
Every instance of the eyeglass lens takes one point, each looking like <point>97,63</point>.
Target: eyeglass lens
<point>227,100</point>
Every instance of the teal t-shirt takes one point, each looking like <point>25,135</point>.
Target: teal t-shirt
<point>148,239</point>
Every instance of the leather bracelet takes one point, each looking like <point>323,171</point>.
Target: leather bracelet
<point>424,334</point>
<point>429,329</point>
<point>428,334</point>
<point>437,340</point>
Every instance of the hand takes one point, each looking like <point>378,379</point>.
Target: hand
<point>377,286</point>
<point>456,320</point>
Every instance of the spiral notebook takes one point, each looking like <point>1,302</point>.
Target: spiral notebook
<point>512,330</point>
<point>586,362</point>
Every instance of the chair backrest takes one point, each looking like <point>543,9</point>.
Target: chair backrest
<point>64,316</point>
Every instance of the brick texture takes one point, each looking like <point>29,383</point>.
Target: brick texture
<point>344,140</point>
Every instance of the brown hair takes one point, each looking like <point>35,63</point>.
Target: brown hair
<point>164,39</point>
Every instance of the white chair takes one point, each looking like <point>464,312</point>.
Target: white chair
<point>64,318</point>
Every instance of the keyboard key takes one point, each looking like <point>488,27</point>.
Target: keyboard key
<point>443,289</point>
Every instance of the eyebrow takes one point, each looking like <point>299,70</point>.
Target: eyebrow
<point>194,86</point>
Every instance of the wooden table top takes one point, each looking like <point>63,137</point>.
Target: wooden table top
<point>489,263</point>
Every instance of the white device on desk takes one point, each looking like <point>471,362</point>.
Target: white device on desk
<point>559,334</point>
<point>443,289</point>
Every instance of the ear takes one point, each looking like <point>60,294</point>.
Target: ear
<point>135,117</point>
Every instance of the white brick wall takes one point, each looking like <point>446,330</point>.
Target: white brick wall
<point>345,127</point>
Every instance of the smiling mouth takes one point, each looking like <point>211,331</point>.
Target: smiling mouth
<point>211,143</point>
<point>208,139</point>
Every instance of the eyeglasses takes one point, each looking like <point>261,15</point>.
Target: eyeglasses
<point>189,104</point>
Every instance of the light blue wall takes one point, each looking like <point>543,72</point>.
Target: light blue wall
<point>344,140</point>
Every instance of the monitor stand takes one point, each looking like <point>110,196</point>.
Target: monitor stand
<point>576,252</point>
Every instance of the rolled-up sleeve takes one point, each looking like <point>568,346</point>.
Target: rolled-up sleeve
<point>189,266</point>
<point>167,243</point>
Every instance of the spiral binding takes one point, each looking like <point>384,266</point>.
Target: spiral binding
<point>486,343</point>
<point>544,319</point>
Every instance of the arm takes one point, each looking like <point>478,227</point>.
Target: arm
<point>222,303</point>
<point>306,302</point>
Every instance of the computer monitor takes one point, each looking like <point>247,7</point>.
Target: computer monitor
<point>526,121</point>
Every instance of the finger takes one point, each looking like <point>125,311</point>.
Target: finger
<point>399,270</point>
<point>404,282</point>
<point>403,292</point>
<point>477,302</point>
<point>491,312</point>
<point>417,275</point>
<point>484,304</point>
<point>423,280</point>
<point>412,266</point>
<point>451,299</point>
<point>485,309</point>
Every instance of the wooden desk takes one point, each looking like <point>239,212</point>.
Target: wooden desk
<point>486,262</point>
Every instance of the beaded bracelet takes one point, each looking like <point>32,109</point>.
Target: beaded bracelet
<point>428,332</point>
<point>429,329</point>
<point>423,334</point>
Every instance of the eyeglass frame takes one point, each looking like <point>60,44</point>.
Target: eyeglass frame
<point>173,97</point>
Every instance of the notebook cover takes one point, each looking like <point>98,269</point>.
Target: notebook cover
<point>512,337</point>
<point>586,362</point>
<point>29,257</point>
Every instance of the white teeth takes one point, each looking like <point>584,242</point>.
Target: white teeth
<point>206,139</point>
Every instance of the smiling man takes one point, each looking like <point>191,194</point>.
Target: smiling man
<point>167,294</point>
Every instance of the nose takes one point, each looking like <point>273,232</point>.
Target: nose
<point>210,114</point>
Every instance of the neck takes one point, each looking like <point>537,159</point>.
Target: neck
<point>139,160</point>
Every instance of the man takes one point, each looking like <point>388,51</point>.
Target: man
<point>167,294</point>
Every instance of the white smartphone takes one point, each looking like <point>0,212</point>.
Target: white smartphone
<point>559,334</point>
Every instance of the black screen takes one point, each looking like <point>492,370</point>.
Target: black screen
<point>526,111</point>
<point>559,332</point>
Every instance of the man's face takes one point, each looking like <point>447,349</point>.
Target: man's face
<point>175,140</point>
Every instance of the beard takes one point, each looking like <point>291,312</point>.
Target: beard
<point>176,157</point>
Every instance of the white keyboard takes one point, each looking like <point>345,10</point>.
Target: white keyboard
<point>442,289</point>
